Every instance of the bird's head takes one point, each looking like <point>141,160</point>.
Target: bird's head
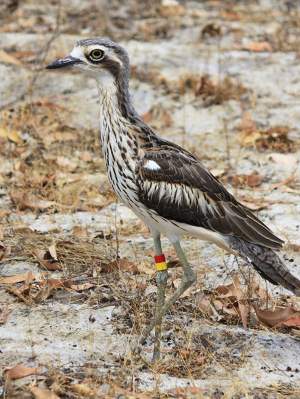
<point>99,57</point>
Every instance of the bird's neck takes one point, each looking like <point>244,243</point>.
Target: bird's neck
<point>117,110</point>
<point>115,89</point>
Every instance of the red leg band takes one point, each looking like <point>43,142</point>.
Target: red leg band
<point>159,258</point>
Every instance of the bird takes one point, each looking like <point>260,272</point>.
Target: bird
<point>168,187</point>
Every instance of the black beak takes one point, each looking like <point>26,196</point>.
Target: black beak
<point>64,62</point>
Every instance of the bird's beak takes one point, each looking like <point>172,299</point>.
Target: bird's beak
<point>64,62</point>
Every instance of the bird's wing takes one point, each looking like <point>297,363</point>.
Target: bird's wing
<point>177,186</point>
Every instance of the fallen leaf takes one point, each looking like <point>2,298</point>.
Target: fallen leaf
<point>4,251</point>
<point>82,287</point>
<point>258,47</point>
<point>204,304</point>
<point>21,293</point>
<point>17,278</point>
<point>273,138</point>
<point>278,316</point>
<point>4,313</point>
<point>6,58</point>
<point>54,283</point>
<point>231,15</point>
<point>20,371</point>
<point>171,8</point>
<point>4,213</point>
<point>294,247</point>
<point>48,259</point>
<point>120,264</point>
<point>83,390</point>
<point>12,135</point>
<point>22,54</point>
<point>252,180</point>
<point>38,291</point>
<point>24,200</point>
<point>211,30</point>
<point>66,163</point>
<point>234,293</point>
<point>52,251</point>
<point>80,232</point>
<point>43,393</point>
<point>293,321</point>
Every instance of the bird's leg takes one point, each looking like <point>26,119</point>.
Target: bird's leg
<point>189,277</point>
<point>161,281</point>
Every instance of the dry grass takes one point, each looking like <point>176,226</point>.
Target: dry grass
<point>51,167</point>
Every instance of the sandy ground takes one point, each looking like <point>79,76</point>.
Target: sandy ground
<point>221,79</point>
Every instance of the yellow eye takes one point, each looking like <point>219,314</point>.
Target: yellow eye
<point>96,55</point>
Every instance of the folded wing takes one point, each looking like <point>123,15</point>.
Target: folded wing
<point>177,186</point>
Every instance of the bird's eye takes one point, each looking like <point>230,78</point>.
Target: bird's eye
<point>96,55</point>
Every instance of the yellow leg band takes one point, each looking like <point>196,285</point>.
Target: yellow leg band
<point>161,266</point>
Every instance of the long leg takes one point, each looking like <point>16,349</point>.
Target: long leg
<point>161,280</point>
<point>189,277</point>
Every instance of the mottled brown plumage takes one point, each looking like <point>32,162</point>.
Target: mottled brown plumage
<point>204,201</point>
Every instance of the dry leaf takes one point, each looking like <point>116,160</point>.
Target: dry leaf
<point>171,8</point>
<point>12,135</point>
<point>4,213</point>
<point>37,292</point>
<point>83,390</point>
<point>234,293</point>
<point>20,371</point>
<point>48,258</point>
<point>52,251</point>
<point>293,321</point>
<point>66,163</point>
<point>273,138</point>
<point>82,287</point>
<point>294,247</point>
<point>258,47</point>
<point>42,393</point>
<point>80,232</point>
<point>4,313</point>
<point>21,293</point>
<point>279,316</point>
<point>204,304</point>
<point>24,200</point>
<point>252,180</point>
<point>231,15</point>
<point>17,278</point>
<point>120,264</point>
<point>6,58</point>
<point>54,283</point>
<point>4,251</point>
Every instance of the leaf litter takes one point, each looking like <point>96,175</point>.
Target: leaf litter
<point>19,371</point>
<point>274,138</point>
<point>43,159</point>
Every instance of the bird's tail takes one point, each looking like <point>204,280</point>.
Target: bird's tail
<point>267,263</point>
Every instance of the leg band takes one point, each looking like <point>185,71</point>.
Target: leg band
<point>160,262</point>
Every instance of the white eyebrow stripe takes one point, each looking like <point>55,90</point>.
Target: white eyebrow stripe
<point>151,165</point>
